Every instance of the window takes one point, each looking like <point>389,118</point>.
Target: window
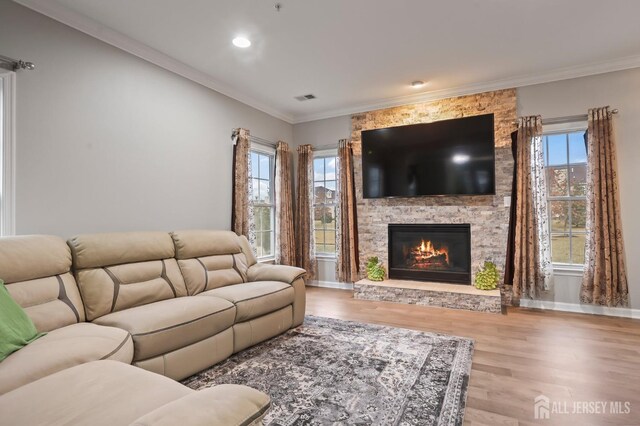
<point>262,175</point>
<point>565,159</point>
<point>324,204</point>
<point>7,149</point>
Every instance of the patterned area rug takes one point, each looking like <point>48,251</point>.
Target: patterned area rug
<point>333,372</point>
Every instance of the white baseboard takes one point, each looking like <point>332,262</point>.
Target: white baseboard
<point>330,284</point>
<point>581,309</point>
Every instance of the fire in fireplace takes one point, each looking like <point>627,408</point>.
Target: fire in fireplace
<point>427,256</point>
<point>430,252</point>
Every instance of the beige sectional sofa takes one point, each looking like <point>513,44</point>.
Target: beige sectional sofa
<point>37,273</point>
<point>173,304</point>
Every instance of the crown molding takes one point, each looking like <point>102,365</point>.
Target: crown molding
<point>103,33</point>
<point>472,89</point>
<point>93,28</point>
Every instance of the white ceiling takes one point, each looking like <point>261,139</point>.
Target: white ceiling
<point>356,55</point>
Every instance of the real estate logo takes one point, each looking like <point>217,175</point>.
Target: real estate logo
<point>541,407</point>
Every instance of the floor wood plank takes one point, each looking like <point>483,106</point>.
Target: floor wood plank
<point>566,356</point>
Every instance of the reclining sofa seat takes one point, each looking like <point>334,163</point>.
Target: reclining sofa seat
<point>269,299</point>
<point>132,281</point>
<point>36,271</point>
<point>109,393</point>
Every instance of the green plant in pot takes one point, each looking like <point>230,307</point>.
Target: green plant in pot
<point>375,270</point>
<point>487,278</point>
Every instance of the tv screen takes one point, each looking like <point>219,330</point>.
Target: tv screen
<point>449,157</point>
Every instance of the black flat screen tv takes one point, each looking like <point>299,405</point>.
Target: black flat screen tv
<point>449,157</point>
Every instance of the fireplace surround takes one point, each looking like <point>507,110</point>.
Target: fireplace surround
<point>430,252</point>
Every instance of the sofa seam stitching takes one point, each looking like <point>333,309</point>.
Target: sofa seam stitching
<point>262,295</point>
<point>247,420</point>
<point>64,298</point>
<point>116,287</point>
<point>116,350</point>
<point>181,324</point>
<point>206,274</point>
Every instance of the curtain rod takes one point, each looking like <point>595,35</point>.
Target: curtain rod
<point>568,118</point>
<point>17,64</point>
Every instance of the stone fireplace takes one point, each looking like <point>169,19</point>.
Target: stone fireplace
<point>430,252</point>
<point>486,216</point>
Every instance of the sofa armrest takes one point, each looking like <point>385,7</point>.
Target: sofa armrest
<point>263,272</point>
<point>223,405</point>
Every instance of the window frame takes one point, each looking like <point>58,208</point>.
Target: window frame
<point>7,152</point>
<point>329,153</point>
<point>271,153</point>
<point>555,129</point>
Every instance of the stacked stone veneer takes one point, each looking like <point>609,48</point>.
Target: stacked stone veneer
<point>487,215</point>
<point>425,297</point>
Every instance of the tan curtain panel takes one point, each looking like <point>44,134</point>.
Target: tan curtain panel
<point>605,276</point>
<point>347,266</point>
<point>532,257</point>
<point>305,244</point>
<point>285,239</point>
<point>242,209</point>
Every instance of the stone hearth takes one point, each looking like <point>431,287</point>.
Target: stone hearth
<point>454,296</point>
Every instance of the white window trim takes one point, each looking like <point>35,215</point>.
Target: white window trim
<point>566,269</point>
<point>8,147</point>
<point>264,149</point>
<point>268,150</point>
<point>331,152</point>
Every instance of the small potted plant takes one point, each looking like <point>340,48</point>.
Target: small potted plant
<point>375,269</point>
<point>487,277</point>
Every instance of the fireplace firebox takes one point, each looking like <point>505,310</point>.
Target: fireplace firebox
<point>430,252</point>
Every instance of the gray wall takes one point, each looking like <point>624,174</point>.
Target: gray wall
<point>322,132</point>
<point>109,142</point>
<point>570,97</point>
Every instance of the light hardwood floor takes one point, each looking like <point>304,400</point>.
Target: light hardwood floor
<point>518,356</point>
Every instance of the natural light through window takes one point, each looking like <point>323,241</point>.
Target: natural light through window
<point>565,158</point>
<point>324,204</point>
<point>262,175</point>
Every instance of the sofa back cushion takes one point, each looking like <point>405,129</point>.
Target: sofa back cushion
<point>123,270</point>
<point>212,259</point>
<point>36,271</point>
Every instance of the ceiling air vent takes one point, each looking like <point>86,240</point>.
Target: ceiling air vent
<point>305,97</point>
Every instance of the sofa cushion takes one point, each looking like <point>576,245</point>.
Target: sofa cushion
<point>98,250</point>
<point>207,273</point>
<point>284,273</point>
<point>36,269</point>
<point>123,270</point>
<point>161,327</point>
<point>97,393</point>
<point>221,405</point>
<point>114,288</point>
<point>212,259</point>
<point>28,257</point>
<point>63,348</point>
<point>254,299</point>
<point>200,243</point>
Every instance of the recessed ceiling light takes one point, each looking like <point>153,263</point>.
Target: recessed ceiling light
<point>417,84</point>
<point>241,42</point>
